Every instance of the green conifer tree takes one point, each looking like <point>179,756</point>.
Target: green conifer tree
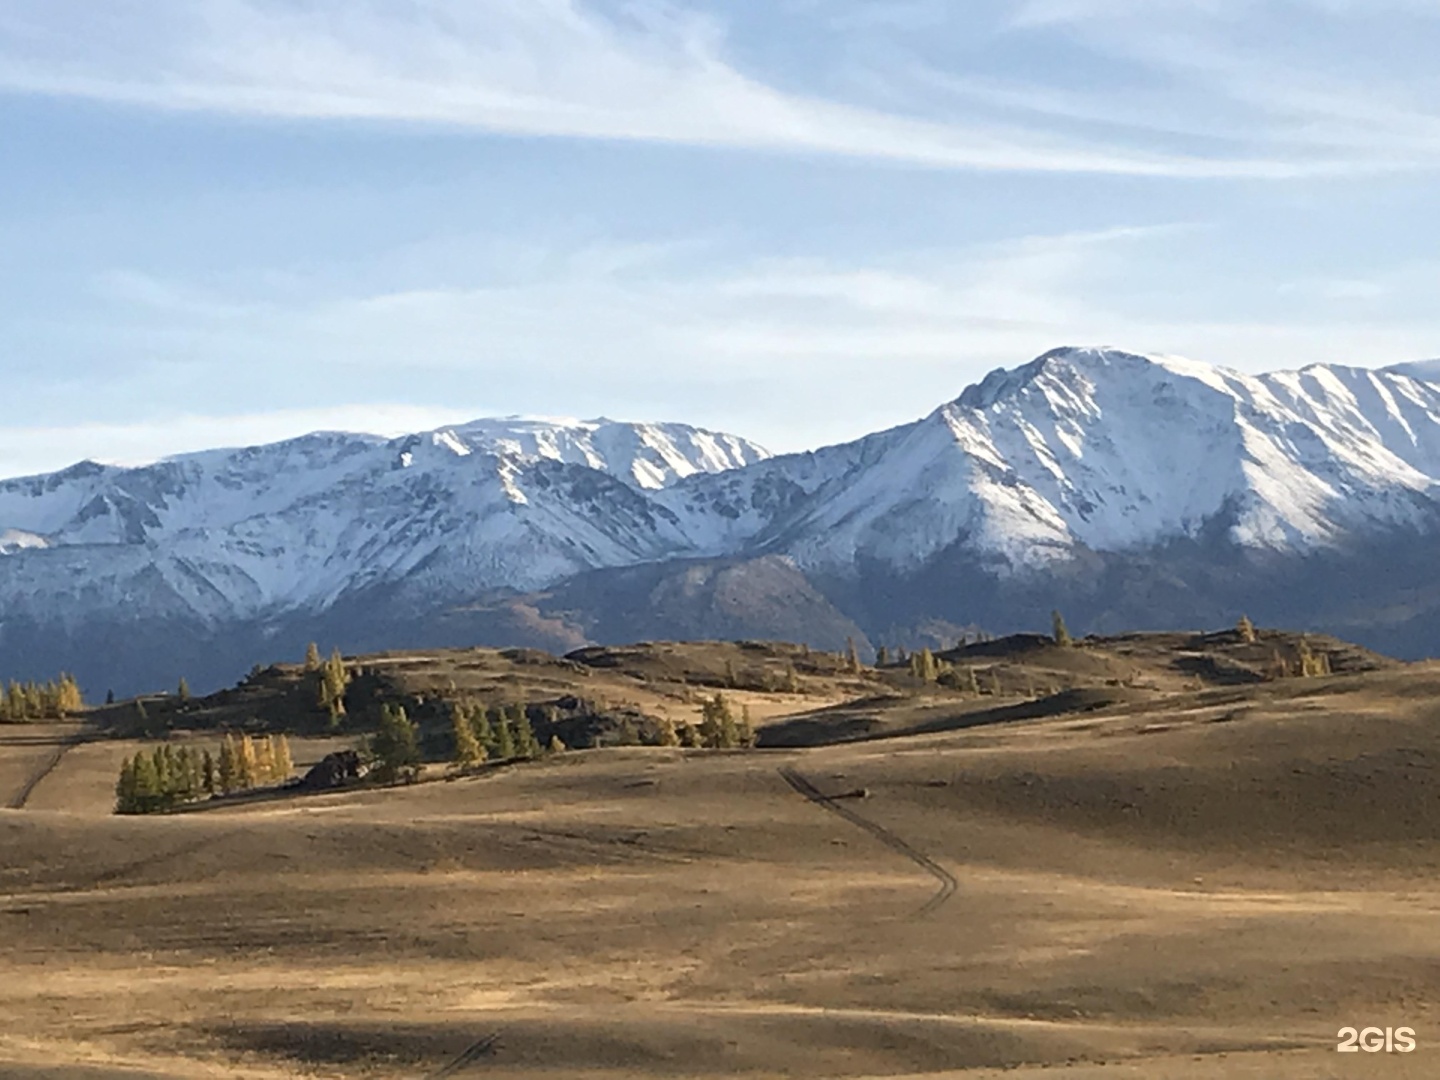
<point>484,732</point>
<point>504,737</point>
<point>397,755</point>
<point>177,769</point>
<point>183,784</point>
<point>709,731</point>
<point>125,793</point>
<point>526,744</point>
<point>148,796</point>
<point>718,727</point>
<point>164,783</point>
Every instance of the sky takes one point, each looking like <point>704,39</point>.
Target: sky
<point>231,221</point>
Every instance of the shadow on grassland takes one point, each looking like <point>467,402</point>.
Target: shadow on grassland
<point>844,723</point>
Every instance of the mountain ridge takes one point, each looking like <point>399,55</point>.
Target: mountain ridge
<point>1011,488</point>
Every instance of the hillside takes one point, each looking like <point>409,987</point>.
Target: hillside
<point>1174,864</point>
<point>797,696</point>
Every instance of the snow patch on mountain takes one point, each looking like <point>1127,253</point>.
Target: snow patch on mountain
<point>645,456</point>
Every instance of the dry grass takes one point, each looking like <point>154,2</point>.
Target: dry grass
<point>1203,885</point>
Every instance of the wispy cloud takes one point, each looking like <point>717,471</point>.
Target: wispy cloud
<point>535,67</point>
<point>1318,81</point>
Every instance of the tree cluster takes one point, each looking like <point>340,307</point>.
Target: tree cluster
<point>720,727</point>
<point>495,734</point>
<point>924,666</point>
<point>53,700</point>
<point>929,668</point>
<point>332,680</point>
<point>163,779</point>
<point>1312,664</point>
<point>1308,664</point>
<point>169,776</point>
<point>964,679</point>
<point>248,762</point>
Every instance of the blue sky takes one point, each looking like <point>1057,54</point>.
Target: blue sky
<point>226,221</point>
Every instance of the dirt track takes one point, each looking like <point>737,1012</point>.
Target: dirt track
<point>29,753</point>
<point>948,884</point>
<point>472,1055</point>
<point>44,769</point>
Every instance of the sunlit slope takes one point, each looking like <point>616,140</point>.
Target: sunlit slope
<point>1197,891</point>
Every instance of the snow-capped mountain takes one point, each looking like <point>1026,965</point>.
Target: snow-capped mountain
<point>257,531</point>
<point>1078,455</point>
<point>1101,449</point>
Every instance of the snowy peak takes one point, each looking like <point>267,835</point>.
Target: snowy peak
<point>1128,449</point>
<point>1095,448</point>
<point>644,456</point>
<point>1054,366</point>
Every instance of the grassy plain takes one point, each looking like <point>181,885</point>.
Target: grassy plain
<point>1185,874</point>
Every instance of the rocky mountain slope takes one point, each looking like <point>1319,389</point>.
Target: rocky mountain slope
<point>1101,450</point>
<point>1136,490</point>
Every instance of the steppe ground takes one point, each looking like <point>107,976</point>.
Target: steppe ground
<point>1187,891</point>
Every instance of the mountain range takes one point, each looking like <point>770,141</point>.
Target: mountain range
<point>1129,491</point>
